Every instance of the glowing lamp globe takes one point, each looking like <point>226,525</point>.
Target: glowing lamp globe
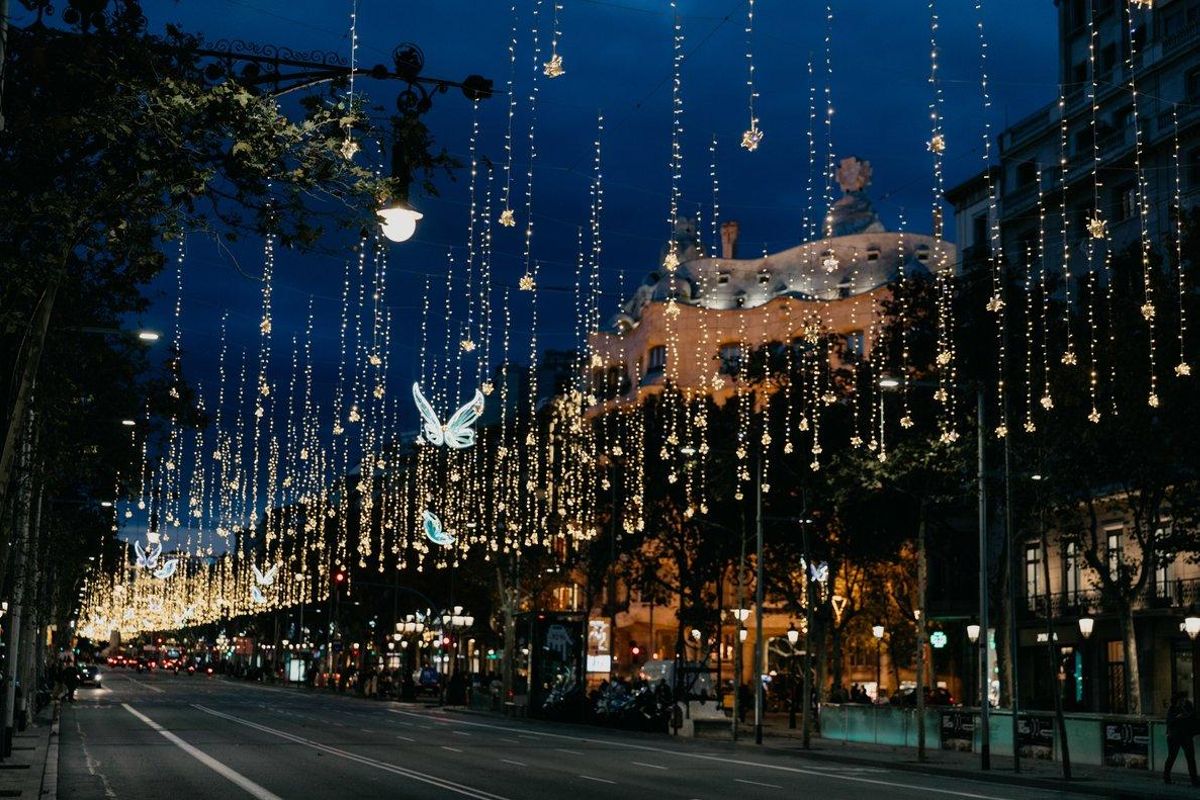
<point>877,631</point>
<point>793,635</point>
<point>973,632</point>
<point>1086,625</point>
<point>398,222</point>
<point>1191,627</point>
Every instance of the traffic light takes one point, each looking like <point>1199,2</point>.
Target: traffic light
<point>339,576</point>
<point>634,652</point>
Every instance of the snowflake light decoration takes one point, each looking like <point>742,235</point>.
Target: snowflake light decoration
<point>1183,369</point>
<point>937,144</point>
<point>467,345</point>
<point>507,219</point>
<point>526,284</point>
<point>554,67</point>
<point>830,263</point>
<point>752,136</point>
<point>349,148</point>
<point>1097,227</point>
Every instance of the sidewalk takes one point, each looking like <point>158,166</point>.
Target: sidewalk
<point>32,770</point>
<point>1037,774</point>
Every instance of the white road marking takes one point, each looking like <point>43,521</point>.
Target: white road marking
<point>241,780</point>
<point>758,783</point>
<point>451,749</point>
<point>432,780</point>
<point>651,766</point>
<point>568,752</point>
<point>460,733</point>
<point>515,763</point>
<point>405,738</point>
<point>597,780</point>
<point>766,765</point>
<point>508,739</point>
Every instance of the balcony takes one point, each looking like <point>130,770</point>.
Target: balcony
<point>1180,593</point>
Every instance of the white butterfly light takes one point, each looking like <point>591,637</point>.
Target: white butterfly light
<point>256,595</point>
<point>147,559</point>
<point>167,569</point>
<point>455,434</point>
<point>434,531</point>
<point>819,572</point>
<point>264,578</point>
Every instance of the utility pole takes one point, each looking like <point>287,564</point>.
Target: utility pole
<point>1011,616</point>
<point>985,746</point>
<point>758,608</point>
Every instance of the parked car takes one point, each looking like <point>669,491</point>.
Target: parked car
<point>89,675</point>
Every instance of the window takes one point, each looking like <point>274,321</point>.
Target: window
<point>1122,118</point>
<point>656,361</point>
<point>1108,58</point>
<point>1192,165</point>
<point>1193,84</point>
<point>723,277</point>
<point>1126,202</point>
<point>1164,570</point>
<point>1083,141</point>
<point>1033,572</point>
<point>1070,559</point>
<point>618,382</point>
<point>979,232</point>
<point>764,277</point>
<point>1113,553</point>
<point>872,253</point>
<point>1026,174</point>
<point>730,356</point>
<point>923,254</point>
<point>1115,696</point>
<point>854,346</point>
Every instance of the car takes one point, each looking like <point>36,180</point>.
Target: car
<point>89,675</point>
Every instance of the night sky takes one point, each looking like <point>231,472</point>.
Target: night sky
<point>617,57</point>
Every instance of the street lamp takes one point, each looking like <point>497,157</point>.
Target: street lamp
<point>742,634</point>
<point>793,636</point>
<point>398,222</point>
<point>128,423</point>
<point>877,630</point>
<point>1191,626</point>
<point>149,336</point>
<point>973,631</point>
<point>1086,625</point>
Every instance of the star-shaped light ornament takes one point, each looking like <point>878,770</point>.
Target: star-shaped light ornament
<point>995,304</point>
<point>1047,402</point>
<point>906,421</point>
<point>1097,228</point>
<point>467,345</point>
<point>937,144</point>
<point>830,263</point>
<point>943,358</point>
<point>752,136</point>
<point>1148,311</point>
<point>1030,426</point>
<point>672,309</point>
<point>1183,369</point>
<point>526,284</point>
<point>349,148</point>
<point>487,388</point>
<point>265,325</point>
<point>1094,417</point>
<point>1152,400</point>
<point>1001,431</point>
<point>1069,358</point>
<point>672,259</point>
<point>554,67</point>
<point>507,219</point>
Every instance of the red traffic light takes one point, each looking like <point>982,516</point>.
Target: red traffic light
<point>339,576</point>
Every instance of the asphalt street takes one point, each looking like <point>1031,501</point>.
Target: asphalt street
<point>155,736</point>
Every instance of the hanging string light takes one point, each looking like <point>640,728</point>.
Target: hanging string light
<point>753,135</point>
<point>1183,368</point>
<point>554,67</point>
<point>945,362</point>
<point>350,147</point>
<point>506,218</point>
<point>1143,202</point>
<point>1068,357</point>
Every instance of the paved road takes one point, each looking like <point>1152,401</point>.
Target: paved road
<point>155,736</point>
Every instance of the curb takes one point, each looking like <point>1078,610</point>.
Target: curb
<point>50,770</point>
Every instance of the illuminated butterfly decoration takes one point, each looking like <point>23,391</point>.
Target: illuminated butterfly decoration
<point>264,578</point>
<point>167,569</point>
<point>147,559</point>
<point>256,595</point>
<point>819,572</point>
<point>455,434</point>
<point>434,531</point>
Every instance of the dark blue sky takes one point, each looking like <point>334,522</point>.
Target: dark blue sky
<point>618,59</point>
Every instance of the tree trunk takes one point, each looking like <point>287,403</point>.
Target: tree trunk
<point>922,580</point>
<point>836,655</point>
<point>16,421</point>
<point>1133,677</point>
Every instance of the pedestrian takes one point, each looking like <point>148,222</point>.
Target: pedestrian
<point>1181,727</point>
<point>71,680</point>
